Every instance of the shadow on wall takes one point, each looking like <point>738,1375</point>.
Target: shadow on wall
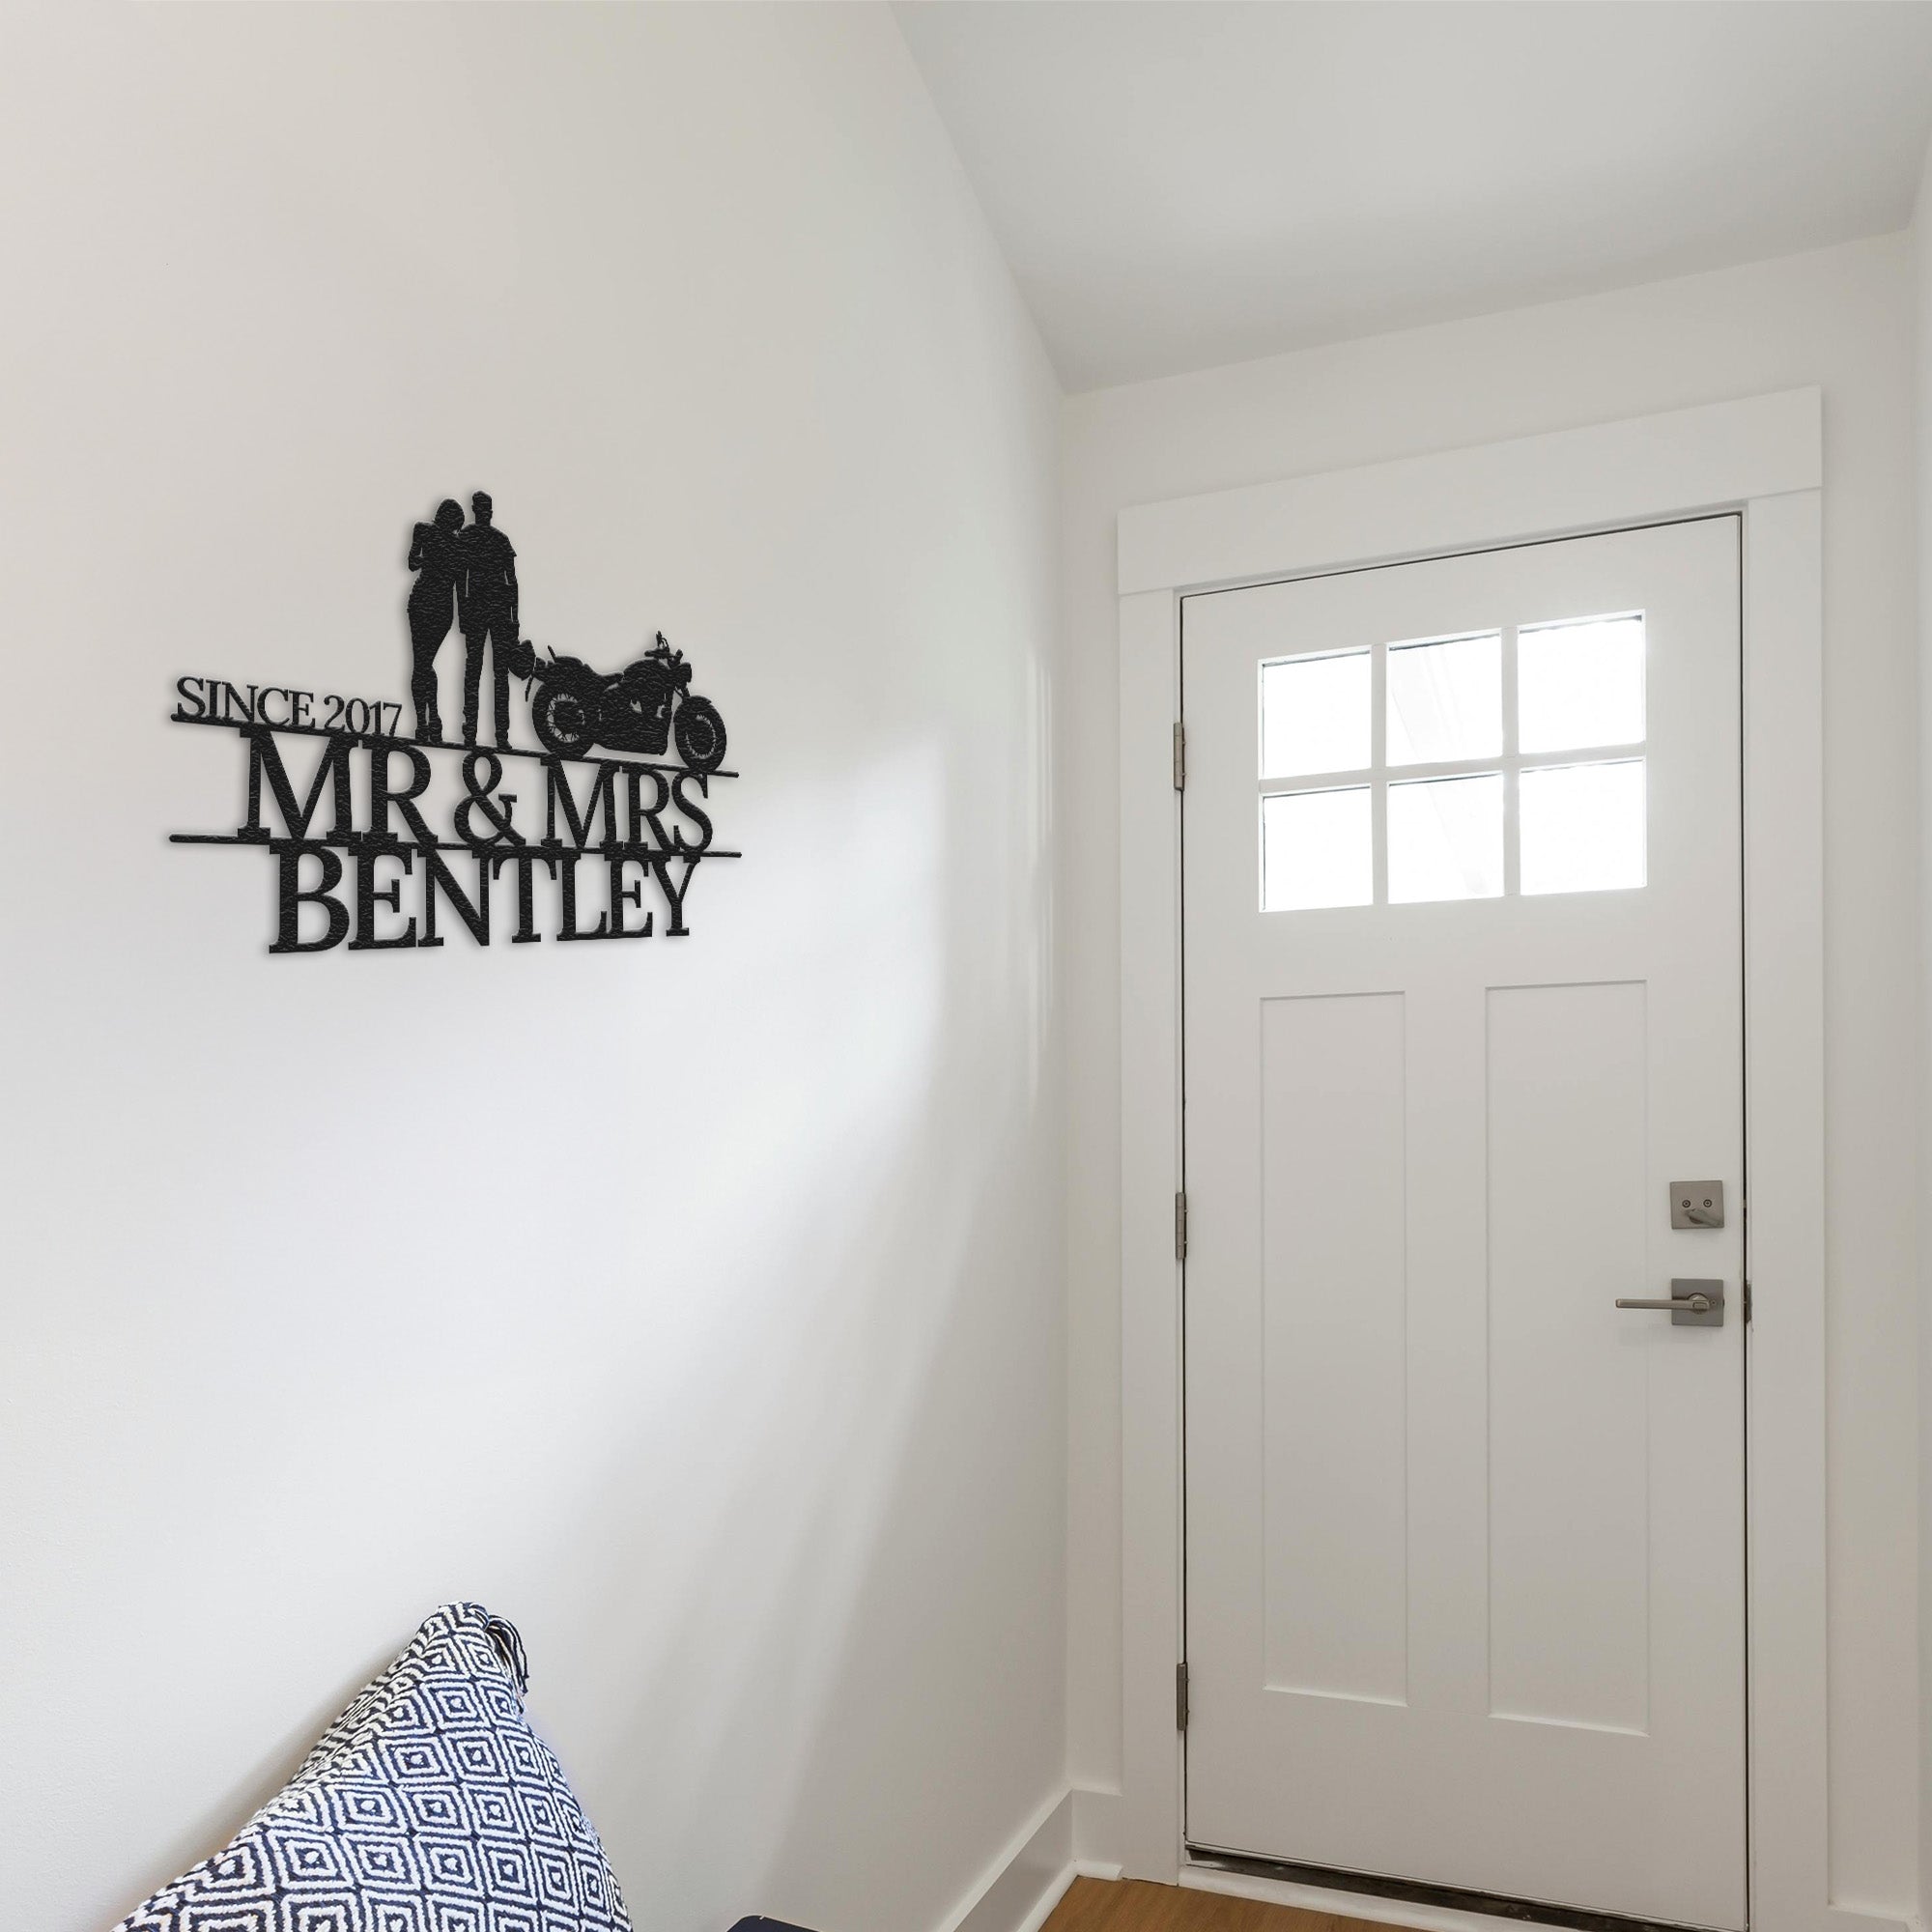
<point>808,1747</point>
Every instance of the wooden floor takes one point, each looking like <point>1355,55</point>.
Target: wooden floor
<point>1133,1905</point>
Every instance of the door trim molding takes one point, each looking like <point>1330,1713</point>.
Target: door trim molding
<point>1763,457</point>
<point>1566,483</point>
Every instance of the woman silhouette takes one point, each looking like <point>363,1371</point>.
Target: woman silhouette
<point>437,561</point>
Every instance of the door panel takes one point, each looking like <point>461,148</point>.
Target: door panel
<point>1335,1480</point>
<point>1569,1528</point>
<point>1463,932</point>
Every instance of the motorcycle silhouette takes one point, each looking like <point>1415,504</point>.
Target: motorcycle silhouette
<point>640,708</point>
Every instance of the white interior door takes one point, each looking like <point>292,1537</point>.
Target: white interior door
<point>1464,941</point>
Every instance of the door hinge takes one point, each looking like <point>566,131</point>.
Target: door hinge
<point>1748,1301</point>
<point>1180,1227</point>
<point>1181,1697</point>
<point>1179,756</point>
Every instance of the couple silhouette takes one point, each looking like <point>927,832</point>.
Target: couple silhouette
<point>468,573</point>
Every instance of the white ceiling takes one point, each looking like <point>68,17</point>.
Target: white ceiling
<point>1184,182</point>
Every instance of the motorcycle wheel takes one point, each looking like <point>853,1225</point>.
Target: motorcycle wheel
<point>564,723</point>
<point>699,732</point>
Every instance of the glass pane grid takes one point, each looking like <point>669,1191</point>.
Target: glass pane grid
<point>1317,850</point>
<point>1579,684</point>
<point>1316,715</point>
<point>1445,700</point>
<point>1445,838</point>
<point>1413,752</point>
<point>1583,827</point>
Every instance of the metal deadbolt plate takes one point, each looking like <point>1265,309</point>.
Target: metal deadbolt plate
<point>1696,1203</point>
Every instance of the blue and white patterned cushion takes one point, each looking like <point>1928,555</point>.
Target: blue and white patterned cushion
<point>429,1805</point>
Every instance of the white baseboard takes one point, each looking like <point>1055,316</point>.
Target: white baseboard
<point>1098,1830</point>
<point>1019,1889</point>
<point>1870,1919</point>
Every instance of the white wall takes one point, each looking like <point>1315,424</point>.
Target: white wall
<point>1922,349</point>
<point>1842,318</point>
<point>695,1304</point>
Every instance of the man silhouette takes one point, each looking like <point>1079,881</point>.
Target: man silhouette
<point>487,609</point>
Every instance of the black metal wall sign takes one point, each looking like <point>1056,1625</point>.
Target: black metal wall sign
<point>383,839</point>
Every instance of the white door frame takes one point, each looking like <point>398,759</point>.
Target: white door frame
<point>1762,456</point>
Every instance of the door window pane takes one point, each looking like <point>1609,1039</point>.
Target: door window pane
<point>1315,714</point>
<point>1445,700</point>
<point>1317,850</point>
<point>1579,684</point>
<point>1445,838</point>
<point>1583,827</point>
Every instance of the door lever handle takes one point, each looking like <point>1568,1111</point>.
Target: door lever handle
<point>1692,1304</point>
